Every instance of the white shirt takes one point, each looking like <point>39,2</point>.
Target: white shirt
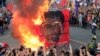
<point>94,24</point>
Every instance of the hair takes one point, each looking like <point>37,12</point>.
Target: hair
<point>76,52</point>
<point>21,48</point>
<point>67,53</point>
<point>52,14</point>
<point>62,51</point>
<point>33,53</point>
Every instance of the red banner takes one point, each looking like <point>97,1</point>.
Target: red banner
<point>64,38</point>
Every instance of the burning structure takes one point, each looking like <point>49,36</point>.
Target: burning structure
<point>34,26</point>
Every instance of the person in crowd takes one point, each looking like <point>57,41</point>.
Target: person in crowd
<point>3,47</point>
<point>1,3</point>
<point>92,46</point>
<point>40,52</point>
<point>98,20</point>
<point>8,16</point>
<point>4,3</point>
<point>80,18</point>
<point>33,53</point>
<point>5,22</point>
<point>54,50</point>
<point>84,51</point>
<point>94,27</point>
<point>89,19</point>
<point>75,21</point>
<point>84,22</point>
<point>98,50</point>
<point>76,52</point>
<point>51,53</point>
<point>1,24</point>
<point>21,48</point>
<point>67,53</point>
<point>62,53</point>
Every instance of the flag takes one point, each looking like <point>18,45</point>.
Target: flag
<point>64,37</point>
<point>76,6</point>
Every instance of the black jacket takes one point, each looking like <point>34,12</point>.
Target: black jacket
<point>1,22</point>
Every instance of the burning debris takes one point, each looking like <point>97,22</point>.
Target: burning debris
<point>34,26</point>
<point>26,22</point>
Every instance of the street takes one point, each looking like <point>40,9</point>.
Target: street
<point>78,36</point>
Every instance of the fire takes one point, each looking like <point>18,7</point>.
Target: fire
<point>38,21</point>
<point>30,40</point>
<point>25,24</point>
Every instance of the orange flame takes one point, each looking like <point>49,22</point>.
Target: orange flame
<point>30,40</point>
<point>27,28</point>
<point>38,21</point>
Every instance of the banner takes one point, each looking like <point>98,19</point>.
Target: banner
<point>64,37</point>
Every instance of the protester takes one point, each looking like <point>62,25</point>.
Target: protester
<point>1,24</point>
<point>2,3</point>
<point>98,20</point>
<point>40,52</point>
<point>94,27</point>
<point>92,46</point>
<point>51,53</point>
<point>80,18</point>
<point>98,50</point>
<point>84,51</point>
<point>3,48</point>
<point>76,52</point>
<point>62,53</point>
<point>84,22</point>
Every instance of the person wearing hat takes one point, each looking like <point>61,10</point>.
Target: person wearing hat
<point>1,23</point>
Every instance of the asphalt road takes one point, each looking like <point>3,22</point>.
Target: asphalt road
<point>78,37</point>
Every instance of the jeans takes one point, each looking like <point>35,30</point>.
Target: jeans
<point>1,29</point>
<point>1,55</point>
<point>94,30</point>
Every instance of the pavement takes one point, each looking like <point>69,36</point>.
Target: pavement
<point>78,37</point>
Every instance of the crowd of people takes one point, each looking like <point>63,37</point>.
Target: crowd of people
<point>92,48</point>
<point>86,15</point>
<point>22,51</point>
<point>5,17</point>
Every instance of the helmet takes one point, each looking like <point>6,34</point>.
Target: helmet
<point>94,37</point>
